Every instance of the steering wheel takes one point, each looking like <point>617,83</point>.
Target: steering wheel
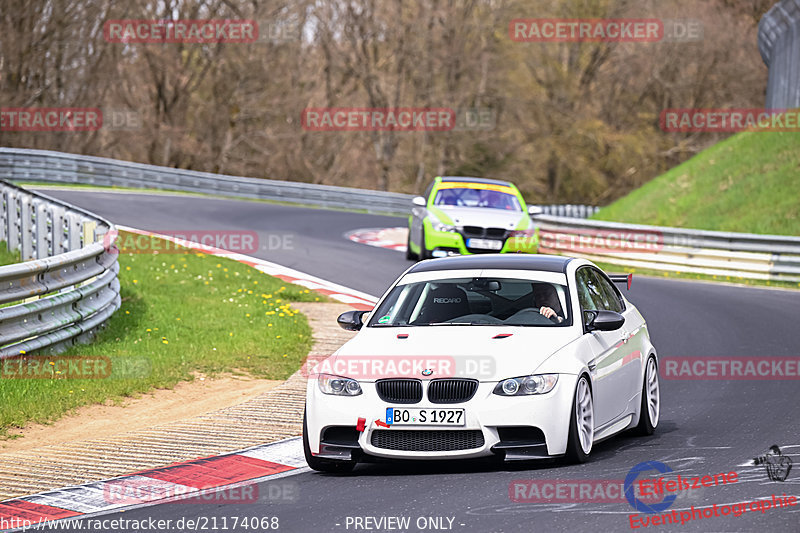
<point>537,316</point>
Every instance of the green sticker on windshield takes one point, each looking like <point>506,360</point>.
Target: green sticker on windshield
<point>384,319</point>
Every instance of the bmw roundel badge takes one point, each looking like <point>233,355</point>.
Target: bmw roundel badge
<point>427,372</point>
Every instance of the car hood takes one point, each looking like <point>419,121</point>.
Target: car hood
<point>484,217</point>
<point>487,353</point>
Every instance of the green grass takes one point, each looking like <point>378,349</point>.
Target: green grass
<point>8,257</point>
<point>181,313</point>
<point>748,183</point>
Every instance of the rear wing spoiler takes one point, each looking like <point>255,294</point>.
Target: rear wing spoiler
<point>622,278</point>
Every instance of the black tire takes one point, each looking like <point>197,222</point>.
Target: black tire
<point>323,465</point>
<point>410,256</point>
<point>575,452</point>
<point>424,253</point>
<point>647,425</point>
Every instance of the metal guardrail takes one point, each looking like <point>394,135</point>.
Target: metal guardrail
<point>47,166</point>
<point>779,44</point>
<point>714,253</point>
<point>57,167</point>
<point>768,257</point>
<point>568,210</point>
<point>67,286</point>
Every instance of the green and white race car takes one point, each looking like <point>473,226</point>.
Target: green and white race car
<point>469,216</point>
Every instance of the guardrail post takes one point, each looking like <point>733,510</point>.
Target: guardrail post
<point>26,226</point>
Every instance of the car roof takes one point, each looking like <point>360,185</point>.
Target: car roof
<point>476,180</point>
<point>544,263</point>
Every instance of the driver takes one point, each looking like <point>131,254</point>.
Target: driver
<point>545,299</point>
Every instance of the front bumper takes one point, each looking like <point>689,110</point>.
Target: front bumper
<point>490,414</point>
<point>451,242</point>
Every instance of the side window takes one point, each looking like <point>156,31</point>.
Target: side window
<point>587,290</point>
<point>607,293</point>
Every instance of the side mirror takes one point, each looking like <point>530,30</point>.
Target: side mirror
<point>535,210</point>
<point>603,320</point>
<point>420,201</point>
<point>351,320</point>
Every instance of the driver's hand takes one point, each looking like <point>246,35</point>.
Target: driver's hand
<point>548,312</point>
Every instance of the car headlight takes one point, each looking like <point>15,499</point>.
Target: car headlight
<point>526,385</point>
<point>440,226</point>
<point>338,386</point>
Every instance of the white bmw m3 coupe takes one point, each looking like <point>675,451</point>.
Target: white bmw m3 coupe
<point>519,356</point>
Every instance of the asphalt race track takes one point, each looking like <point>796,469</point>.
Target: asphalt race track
<point>706,428</point>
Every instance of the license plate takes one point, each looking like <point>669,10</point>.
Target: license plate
<point>400,416</point>
<point>485,244</point>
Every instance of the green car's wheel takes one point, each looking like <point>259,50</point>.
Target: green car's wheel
<point>424,253</point>
<point>411,256</point>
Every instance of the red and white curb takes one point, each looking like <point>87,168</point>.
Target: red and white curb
<point>390,238</point>
<point>177,483</point>
<point>359,300</point>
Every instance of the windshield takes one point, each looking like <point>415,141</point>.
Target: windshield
<point>463,197</point>
<point>482,301</point>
